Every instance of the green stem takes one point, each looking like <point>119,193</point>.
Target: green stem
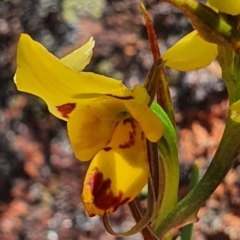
<point>186,231</point>
<point>168,168</point>
<point>186,210</point>
<point>230,64</point>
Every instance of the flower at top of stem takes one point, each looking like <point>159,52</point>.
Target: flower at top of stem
<point>192,51</point>
<point>107,122</point>
<point>230,6</point>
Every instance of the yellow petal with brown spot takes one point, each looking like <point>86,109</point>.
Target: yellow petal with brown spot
<point>42,74</point>
<point>117,173</point>
<point>147,119</point>
<point>90,129</point>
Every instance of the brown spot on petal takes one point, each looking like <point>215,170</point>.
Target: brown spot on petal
<point>122,98</point>
<point>107,149</point>
<point>66,109</point>
<point>104,198</point>
<point>142,136</point>
<point>91,214</point>
<point>132,134</point>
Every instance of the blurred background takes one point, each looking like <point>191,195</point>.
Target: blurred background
<point>40,179</point>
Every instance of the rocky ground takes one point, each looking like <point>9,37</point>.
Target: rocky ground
<point>40,179</point>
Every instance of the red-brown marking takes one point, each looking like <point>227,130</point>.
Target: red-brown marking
<point>107,149</point>
<point>91,214</point>
<point>66,109</point>
<point>122,98</point>
<point>104,198</point>
<point>132,134</point>
<point>142,136</point>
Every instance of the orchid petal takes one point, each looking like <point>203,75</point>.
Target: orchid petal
<point>90,129</point>
<point>230,6</point>
<point>134,102</point>
<point>117,173</point>
<point>42,74</point>
<point>190,53</point>
<point>80,58</point>
<point>147,119</point>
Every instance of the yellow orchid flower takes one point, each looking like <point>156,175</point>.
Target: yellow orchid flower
<point>192,52</point>
<point>230,6</point>
<point>107,122</point>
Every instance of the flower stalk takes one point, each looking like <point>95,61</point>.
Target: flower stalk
<point>230,62</point>
<point>161,88</point>
<point>163,158</point>
<point>186,210</point>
